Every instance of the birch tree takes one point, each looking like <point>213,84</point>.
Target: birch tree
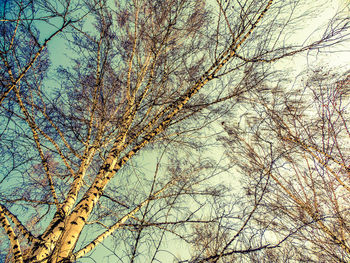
<point>145,77</point>
<point>298,144</point>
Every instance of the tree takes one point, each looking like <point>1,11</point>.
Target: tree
<point>146,77</point>
<point>298,143</point>
<point>22,46</point>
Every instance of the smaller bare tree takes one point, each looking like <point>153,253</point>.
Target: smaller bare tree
<point>299,141</point>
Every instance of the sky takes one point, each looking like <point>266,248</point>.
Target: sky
<point>333,57</point>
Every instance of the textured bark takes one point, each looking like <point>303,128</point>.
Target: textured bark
<point>16,249</point>
<point>143,71</point>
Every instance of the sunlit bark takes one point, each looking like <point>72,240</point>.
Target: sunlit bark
<point>143,75</point>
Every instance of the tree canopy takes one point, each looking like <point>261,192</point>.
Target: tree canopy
<point>134,127</point>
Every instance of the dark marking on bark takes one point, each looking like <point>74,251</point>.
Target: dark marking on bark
<point>98,188</point>
<point>106,168</point>
<point>55,224</point>
<point>36,246</point>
